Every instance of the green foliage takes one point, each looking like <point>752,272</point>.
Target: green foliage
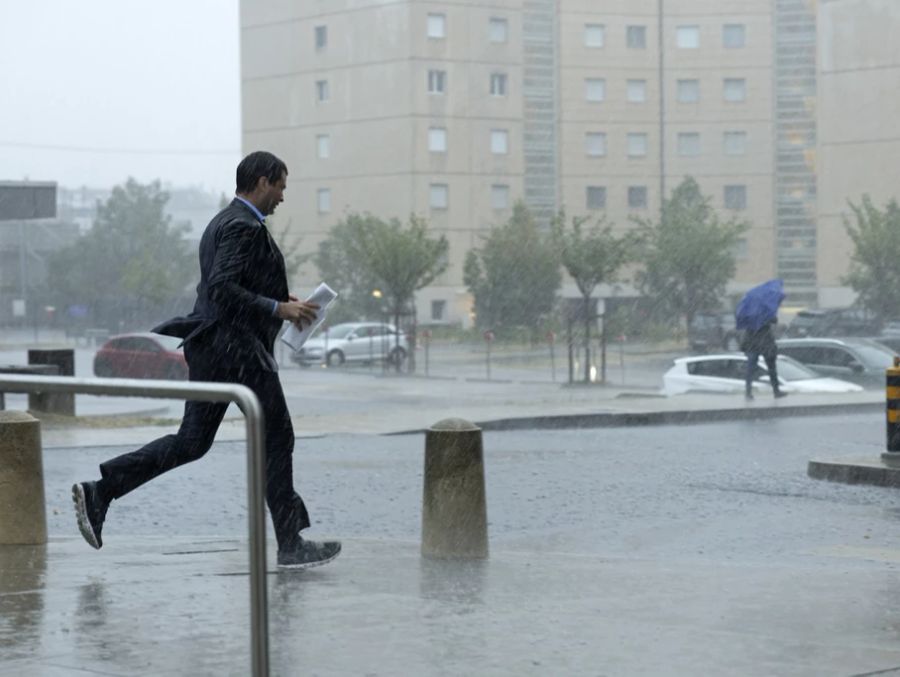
<point>515,276</point>
<point>875,263</point>
<point>132,259</point>
<point>688,256</point>
<point>363,253</point>
<point>592,255</point>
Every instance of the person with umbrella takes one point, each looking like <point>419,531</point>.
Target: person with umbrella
<point>756,315</point>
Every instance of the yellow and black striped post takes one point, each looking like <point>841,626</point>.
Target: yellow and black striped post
<point>893,407</point>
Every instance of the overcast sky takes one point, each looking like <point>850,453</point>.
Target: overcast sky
<point>95,91</point>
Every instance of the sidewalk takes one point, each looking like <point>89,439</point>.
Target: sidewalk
<point>329,402</point>
<point>157,607</point>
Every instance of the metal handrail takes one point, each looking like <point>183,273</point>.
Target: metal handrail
<point>208,392</point>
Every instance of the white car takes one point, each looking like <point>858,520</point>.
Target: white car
<point>725,374</point>
<point>354,342</point>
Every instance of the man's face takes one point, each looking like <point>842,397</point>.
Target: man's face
<point>272,194</point>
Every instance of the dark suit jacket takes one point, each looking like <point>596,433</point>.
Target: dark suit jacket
<point>241,272</point>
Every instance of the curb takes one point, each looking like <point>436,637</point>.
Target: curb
<point>678,417</point>
<point>858,471</point>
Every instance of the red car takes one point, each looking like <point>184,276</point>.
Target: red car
<point>142,355</point>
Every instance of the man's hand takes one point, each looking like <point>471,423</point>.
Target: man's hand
<point>297,311</point>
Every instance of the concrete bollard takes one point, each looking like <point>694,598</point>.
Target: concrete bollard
<point>23,517</point>
<point>454,509</point>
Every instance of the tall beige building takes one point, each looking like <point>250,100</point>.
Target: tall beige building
<point>859,141</point>
<point>455,109</point>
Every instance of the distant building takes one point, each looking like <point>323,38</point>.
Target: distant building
<point>859,109</point>
<point>29,233</point>
<point>456,110</point>
<point>188,205</point>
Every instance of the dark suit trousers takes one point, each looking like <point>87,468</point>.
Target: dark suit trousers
<point>198,430</point>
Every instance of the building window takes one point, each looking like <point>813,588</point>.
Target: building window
<point>687,37</point>
<point>636,37</point>
<point>734,36</point>
<point>323,200</point>
<point>499,141</point>
<point>321,37</point>
<point>438,195</point>
<point>740,250</point>
<point>637,145</point>
<point>735,143</point>
<point>437,82</point>
<point>437,139</point>
<point>498,84</point>
<point>437,26</point>
<point>596,197</point>
<point>595,89</point>
<point>323,146</point>
<point>688,91</point>
<point>595,144</point>
<point>735,89</point>
<point>689,143</point>
<point>322,91</point>
<point>637,197</point>
<point>438,308</point>
<point>736,197</point>
<point>500,196</point>
<point>637,91</point>
<point>498,30</point>
<point>594,35</point>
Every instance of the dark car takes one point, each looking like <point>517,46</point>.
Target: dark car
<point>713,331</point>
<point>141,355</point>
<point>859,360</point>
<point>833,322</point>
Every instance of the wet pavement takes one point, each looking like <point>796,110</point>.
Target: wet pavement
<point>682,550</point>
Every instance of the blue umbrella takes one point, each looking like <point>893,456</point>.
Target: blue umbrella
<point>759,305</point>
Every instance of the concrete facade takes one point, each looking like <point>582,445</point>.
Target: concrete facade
<point>577,123</point>
<point>859,147</point>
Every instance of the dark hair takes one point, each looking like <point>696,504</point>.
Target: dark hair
<point>257,164</point>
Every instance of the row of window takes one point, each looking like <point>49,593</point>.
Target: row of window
<point>734,197</point>
<point>436,83</point>
<point>734,90</point>
<point>734,36</point>
<point>734,143</point>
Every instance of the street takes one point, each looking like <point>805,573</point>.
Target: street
<point>728,491</point>
<point>679,550</point>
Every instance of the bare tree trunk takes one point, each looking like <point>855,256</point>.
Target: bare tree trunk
<point>587,339</point>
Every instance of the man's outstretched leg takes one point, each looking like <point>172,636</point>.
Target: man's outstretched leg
<point>127,472</point>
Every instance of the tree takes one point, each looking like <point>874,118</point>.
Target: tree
<point>403,259</point>
<point>875,263</point>
<point>688,255</point>
<point>515,276</point>
<point>130,263</point>
<point>341,263</point>
<point>592,256</point>
<point>364,253</point>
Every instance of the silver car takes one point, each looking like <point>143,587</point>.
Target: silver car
<point>354,342</point>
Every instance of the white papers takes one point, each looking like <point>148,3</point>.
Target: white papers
<point>324,296</point>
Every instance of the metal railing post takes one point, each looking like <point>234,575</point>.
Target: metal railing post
<point>256,464</point>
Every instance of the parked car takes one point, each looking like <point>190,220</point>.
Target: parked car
<point>141,355</point>
<point>354,342</point>
<point>713,331</point>
<point>889,341</point>
<point>833,322</point>
<point>725,374</point>
<point>859,360</point>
